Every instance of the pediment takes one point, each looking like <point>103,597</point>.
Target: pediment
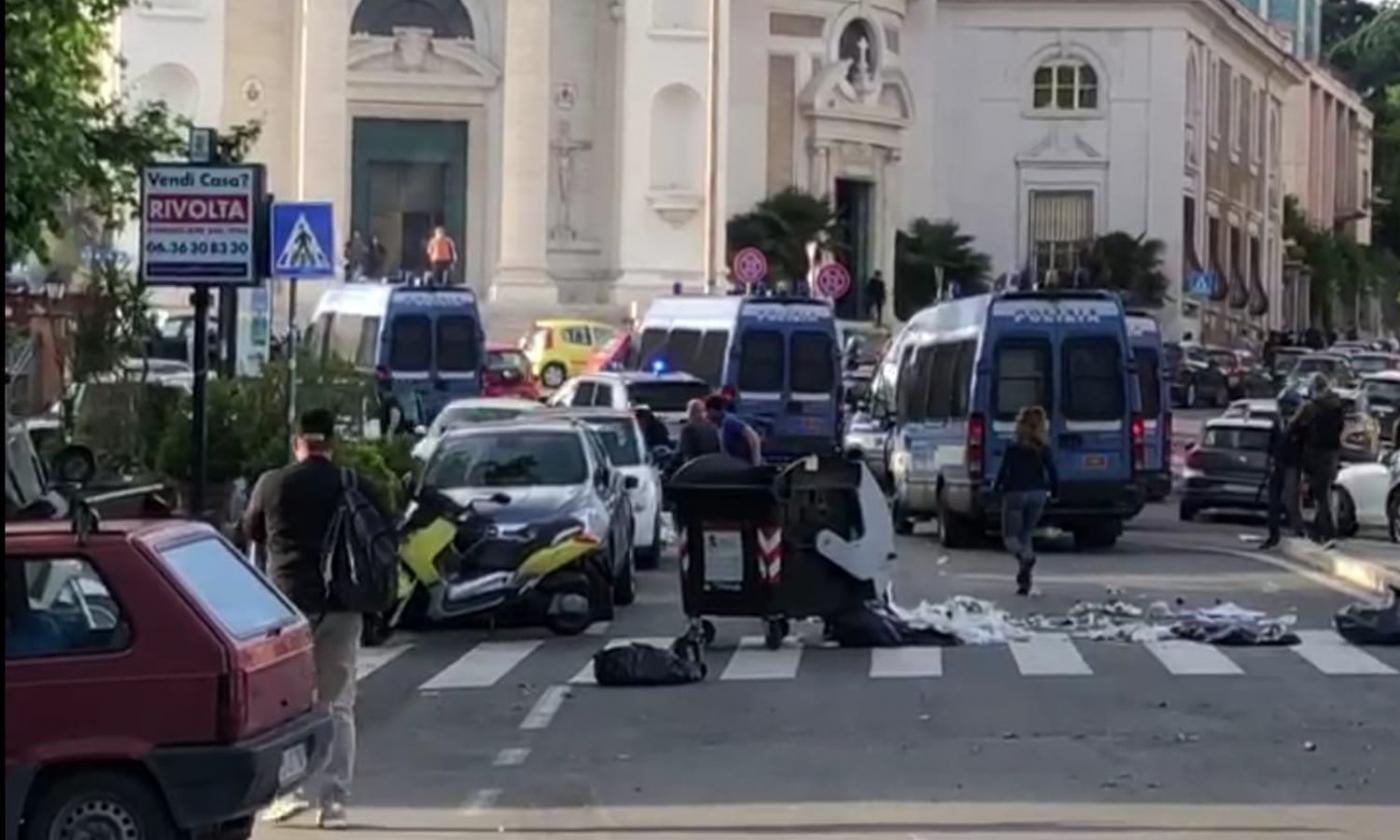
<point>830,93</point>
<point>1061,144</point>
<point>412,52</point>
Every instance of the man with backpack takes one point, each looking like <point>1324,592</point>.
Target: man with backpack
<point>305,516</point>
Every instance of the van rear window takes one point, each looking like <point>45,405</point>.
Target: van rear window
<point>812,363</point>
<point>456,344</point>
<point>410,344</point>
<point>1023,377</point>
<point>681,349</point>
<point>652,345</point>
<point>761,361</point>
<point>709,363</point>
<point>666,396</point>
<point>240,599</point>
<point>1093,374</point>
<point>1149,381</point>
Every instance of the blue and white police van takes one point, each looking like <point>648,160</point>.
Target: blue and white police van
<point>1154,391</point>
<point>955,377</point>
<point>781,358</point>
<point>423,346</point>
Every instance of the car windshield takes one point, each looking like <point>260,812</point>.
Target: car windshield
<point>1231,437</point>
<point>1196,353</point>
<point>509,458</point>
<point>1317,364</point>
<point>467,415</point>
<point>1379,392</point>
<point>619,437</point>
<point>666,396</point>
<point>506,360</point>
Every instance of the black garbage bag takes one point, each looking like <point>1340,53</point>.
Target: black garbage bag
<point>1234,633</point>
<point>638,664</point>
<point>872,625</point>
<point>1361,624</point>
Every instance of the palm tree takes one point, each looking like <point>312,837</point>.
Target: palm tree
<point>1130,265</point>
<point>924,250</point>
<point>781,226</point>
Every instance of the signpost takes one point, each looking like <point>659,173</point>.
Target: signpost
<point>833,281</point>
<point>200,227</point>
<point>750,266</point>
<point>302,240</point>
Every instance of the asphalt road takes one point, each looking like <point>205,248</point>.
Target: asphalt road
<point>469,734</point>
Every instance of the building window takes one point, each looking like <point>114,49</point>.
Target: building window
<point>1223,85</point>
<point>1066,86</point>
<point>1061,225</point>
<point>1193,92</point>
<point>1244,104</point>
<point>446,18</point>
<point>1260,103</point>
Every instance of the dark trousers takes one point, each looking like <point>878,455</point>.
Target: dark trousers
<point>1321,468</point>
<point>1283,499</point>
<point>441,273</point>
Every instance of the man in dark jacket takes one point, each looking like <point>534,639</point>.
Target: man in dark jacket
<point>1320,422</point>
<point>1285,458</point>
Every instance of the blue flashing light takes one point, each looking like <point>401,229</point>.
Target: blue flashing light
<point>658,366</point>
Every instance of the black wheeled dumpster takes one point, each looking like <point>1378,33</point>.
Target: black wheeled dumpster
<point>750,536</point>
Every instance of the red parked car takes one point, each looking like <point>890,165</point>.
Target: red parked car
<point>156,685</point>
<point>507,374</point>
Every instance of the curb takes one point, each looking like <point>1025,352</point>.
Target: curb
<point>1364,574</point>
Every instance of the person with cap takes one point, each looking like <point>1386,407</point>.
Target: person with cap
<point>698,436</point>
<point>289,514</point>
<point>1320,422</point>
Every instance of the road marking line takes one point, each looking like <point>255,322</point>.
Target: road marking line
<point>511,757</point>
<point>1192,659</point>
<point>753,661</point>
<point>546,707</point>
<point>893,663</point>
<point>1307,574</point>
<point>482,800</point>
<point>585,674</point>
<point>1332,655</point>
<point>369,660</point>
<point>598,628</point>
<point>482,666</point>
<point>1049,655</point>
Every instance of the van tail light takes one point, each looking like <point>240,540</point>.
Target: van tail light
<point>1139,432</point>
<point>233,702</point>
<point>976,446</point>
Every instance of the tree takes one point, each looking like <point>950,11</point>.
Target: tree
<point>925,249</point>
<point>66,138</point>
<point>1130,265</point>
<point>1342,18</point>
<point>781,226</point>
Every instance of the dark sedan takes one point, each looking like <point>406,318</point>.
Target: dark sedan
<point>1228,469</point>
<point>1194,379</point>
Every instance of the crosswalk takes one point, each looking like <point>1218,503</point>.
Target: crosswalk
<point>485,664</point>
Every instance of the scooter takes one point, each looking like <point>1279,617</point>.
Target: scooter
<point>456,562</point>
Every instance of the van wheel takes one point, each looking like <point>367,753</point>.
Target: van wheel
<point>1096,535</point>
<point>100,804</point>
<point>553,375</point>
<point>955,531</point>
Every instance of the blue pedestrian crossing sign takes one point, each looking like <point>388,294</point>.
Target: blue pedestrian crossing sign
<point>303,240</point>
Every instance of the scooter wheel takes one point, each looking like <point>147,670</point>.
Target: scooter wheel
<point>573,618</point>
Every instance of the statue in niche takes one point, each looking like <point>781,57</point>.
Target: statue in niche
<point>566,149</point>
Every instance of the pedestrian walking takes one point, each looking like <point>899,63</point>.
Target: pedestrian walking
<point>875,297</point>
<point>289,515</point>
<point>375,255</point>
<point>1285,460</point>
<point>1319,422</point>
<point>737,439</point>
<point>442,256</point>
<point>1026,481</point>
<point>355,252</point>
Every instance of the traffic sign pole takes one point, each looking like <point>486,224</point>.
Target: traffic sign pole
<point>199,432</point>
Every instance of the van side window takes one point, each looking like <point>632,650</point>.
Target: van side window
<point>709,362</point>
<point>761,361</point>
<point>456,344</point>
<point>583,394</point>
<point>603,396</point>
<point>962,378</point>
<point>410,343</point>
<point>60,606</point>
<point>1149,381</point>
<point>1093,388</point>
<point>914,379</point>
<point>813,365</point>
<point>681,350</point>
<point>343,336</point>
<point>940,388</point>
<point>652,345</point>
<point>1022,377</point>
<point>368,350</point>
<point>318,334</point>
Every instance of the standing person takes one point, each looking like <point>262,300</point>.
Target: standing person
<point>698,436</point>
<point>442,256</point>
<point>375,255</point>
<point>1320,422</point>
<point>737,439</point>
<point>1026,481</point>
<point>289,515</point>
<point>355,253</point>
<point>1285,458</point>
<point>875,297</point>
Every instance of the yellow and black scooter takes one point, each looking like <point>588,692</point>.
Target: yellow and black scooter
<point>456,562</point>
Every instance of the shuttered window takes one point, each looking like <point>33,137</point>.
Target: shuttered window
<point>1061,225</point>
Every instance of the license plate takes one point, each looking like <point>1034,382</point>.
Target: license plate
<point>1242,489</point>
<point>1095,462</point>
<point>293,765</point>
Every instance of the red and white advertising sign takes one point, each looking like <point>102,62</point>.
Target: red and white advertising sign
<point>833,281</point>
<point>750,265</point>
<point>199,224</point>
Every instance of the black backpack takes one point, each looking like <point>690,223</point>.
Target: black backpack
<point>360,558</point>
<point>1325,432</point>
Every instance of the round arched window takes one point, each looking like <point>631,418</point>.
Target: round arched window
<point>1065,86</point>
<point>857,45</point>
<point>446,18</point>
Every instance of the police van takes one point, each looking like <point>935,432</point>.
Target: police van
<point>423,346</point>
<point>1154,390</point>
<point>780,356</point>
<point>953,381</point>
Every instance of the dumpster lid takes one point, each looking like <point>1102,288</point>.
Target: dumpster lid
<point>720,470</point>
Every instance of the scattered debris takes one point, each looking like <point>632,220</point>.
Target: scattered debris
<point>971,620</point>
<point>1231,625</point>
<point>1251,538</point>
<point>1309,746</point>
<point>1362,624</point>
<point>1009,736</point>
<point>943,560</point>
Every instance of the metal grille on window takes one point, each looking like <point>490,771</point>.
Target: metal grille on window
<point>1061,225</point>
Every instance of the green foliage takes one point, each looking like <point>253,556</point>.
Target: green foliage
<point>378,462</point>
<point>175,455</point>
<point>1341,269</point>
<point>124,423</point>
<point>1130,265</point>
<point>1341,19</point>
<point>924,249</point>
<point>115,323</point>
<point>781,226</point>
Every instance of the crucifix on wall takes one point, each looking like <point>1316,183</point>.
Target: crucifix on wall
<point>566,150</point>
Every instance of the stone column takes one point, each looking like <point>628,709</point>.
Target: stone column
<point>522,273</point>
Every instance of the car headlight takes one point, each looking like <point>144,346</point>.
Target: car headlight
<point>899,463</point>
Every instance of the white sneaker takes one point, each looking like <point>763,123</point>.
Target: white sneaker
<point>332,817</point>
<point>284,808</point>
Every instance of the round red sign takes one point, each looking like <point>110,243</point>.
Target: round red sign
<point>833,281</point>
<point>750,265</point>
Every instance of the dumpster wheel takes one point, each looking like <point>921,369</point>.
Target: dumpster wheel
<point>775,630</point>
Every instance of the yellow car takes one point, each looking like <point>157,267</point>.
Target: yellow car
<point>559,348</point>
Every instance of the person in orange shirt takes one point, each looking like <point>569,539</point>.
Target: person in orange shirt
<point>442,256</point>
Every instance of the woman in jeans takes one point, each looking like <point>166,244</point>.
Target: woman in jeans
<point>1027,479</point>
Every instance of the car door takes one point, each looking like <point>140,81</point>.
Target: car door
<point>577,347</point>
<point>608,484</point>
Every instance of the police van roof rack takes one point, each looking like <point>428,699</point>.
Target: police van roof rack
<point>1069,294</point>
